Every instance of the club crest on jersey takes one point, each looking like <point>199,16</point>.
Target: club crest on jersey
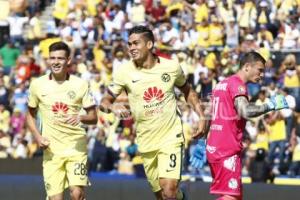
<point>71,94</point>
<point>165,77</point>
<point>153,93</point>
<point>242,90</point>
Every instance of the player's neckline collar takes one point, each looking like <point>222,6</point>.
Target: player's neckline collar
<point>157,61</point>
<point>67,78</point>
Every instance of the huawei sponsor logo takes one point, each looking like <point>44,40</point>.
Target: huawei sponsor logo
<point>153,93</point>
<point>60,108</point>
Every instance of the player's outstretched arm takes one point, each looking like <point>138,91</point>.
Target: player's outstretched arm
<point>192,98</point>
<point>248,110</point>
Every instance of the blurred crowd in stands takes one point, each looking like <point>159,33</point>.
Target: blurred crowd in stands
<point>206,36</point>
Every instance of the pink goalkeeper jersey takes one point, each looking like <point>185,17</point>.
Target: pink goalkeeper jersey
<point>226,130</point>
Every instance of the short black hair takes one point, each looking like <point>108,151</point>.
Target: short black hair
<point>251,57</point>
<point>60,46</point>
<point>142,30</point>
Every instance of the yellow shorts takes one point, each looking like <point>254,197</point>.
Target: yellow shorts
<point>163,163</point>
<point>62,172</point>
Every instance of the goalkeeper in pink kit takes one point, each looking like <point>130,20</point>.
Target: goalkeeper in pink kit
<point>230,109</point>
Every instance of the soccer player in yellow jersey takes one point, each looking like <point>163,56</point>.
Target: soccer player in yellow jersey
<point>59,98</point>
<point>149,82</point>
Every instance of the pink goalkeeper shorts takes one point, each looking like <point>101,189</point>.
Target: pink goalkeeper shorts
<point>226,176</point>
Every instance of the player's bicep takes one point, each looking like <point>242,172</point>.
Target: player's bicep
<point>240,104</point>
<point>88,99</point>
<point>91,114</point>
<point>31,112</point>
<point>32,99</point>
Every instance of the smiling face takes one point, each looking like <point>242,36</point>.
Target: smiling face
<point>58,62</point>
<point>139,47</point>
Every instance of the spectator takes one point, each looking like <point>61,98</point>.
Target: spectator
<point>16,31</point>
<point>99,153</point>
<point>288,112</point>
<point>4,119</point>
<point>9,55</point>
<point>136,13</point>
<point>19,98</point>
<point>4,94</point>
<point>276,127</point>
<point>125,166</point>
<point>260,169</point>
<point>232,33</point>
<point>216,32</point>
<point>291,78</point>
<point>17,122</point>
<point>5,144</point>
<point>131,149</point>
<point>294,168</point>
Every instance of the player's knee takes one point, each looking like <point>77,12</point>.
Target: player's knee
<point>77,193</point>
<point>169,191</point>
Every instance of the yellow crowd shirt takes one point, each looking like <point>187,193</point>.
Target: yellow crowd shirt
<point>201,13</point>
<point>152,101</point>
<point>296,153</point>
<point>277,131</point>
<point>4,120</point>
<point>262,141</point>
<point>203,39</point>
<point>292,81</point>
<point>55,102</point>
<point>215,35</point>
<point>61,9</point>
<point>45,44</point>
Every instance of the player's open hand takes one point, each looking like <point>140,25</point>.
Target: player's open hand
<point>198,157</point>
<point>73,120</point>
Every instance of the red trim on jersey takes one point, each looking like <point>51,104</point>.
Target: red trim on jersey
<point>162,54</point>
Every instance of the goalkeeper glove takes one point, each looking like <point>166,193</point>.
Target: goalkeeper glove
<point>198,157</point>
<point>277,102</point>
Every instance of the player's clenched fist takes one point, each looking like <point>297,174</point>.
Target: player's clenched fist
<point>43,142</point>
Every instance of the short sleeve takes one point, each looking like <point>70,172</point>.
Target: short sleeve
<point>33,100</point>
<point>88,99</point>
<point>237,88</point>
<point>180,77</point>
<point>118,83</point>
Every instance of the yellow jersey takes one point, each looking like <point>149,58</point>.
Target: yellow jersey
<point>152,101</point>
<point>277,131</point>
<point>54,102</point>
